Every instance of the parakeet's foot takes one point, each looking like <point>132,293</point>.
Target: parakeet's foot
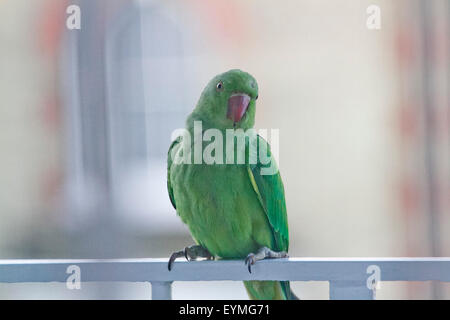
<point>262,254</point>
<point>190,253</point>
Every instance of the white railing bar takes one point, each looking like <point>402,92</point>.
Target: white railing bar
<point>335,270</point>
<point>350,290</point>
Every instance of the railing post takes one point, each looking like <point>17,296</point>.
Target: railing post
<point>350,290</point>
<point>161,290</point>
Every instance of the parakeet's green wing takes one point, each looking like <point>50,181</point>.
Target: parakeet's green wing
<point>270,192</point>
<point>172,148</point>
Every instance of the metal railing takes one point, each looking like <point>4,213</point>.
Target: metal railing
<point>349,278</point>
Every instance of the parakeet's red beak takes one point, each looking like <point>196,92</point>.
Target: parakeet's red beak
<point>237,105</point>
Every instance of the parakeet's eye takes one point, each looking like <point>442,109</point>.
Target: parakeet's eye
<point>219,86</point>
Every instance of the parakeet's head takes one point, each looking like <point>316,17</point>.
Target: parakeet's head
<point>228,101</point>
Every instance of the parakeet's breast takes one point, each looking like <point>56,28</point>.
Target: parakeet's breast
<point>220,207</point>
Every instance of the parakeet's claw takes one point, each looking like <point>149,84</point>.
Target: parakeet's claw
<point>190,253</point>
<point>249,261</point>
<point>262,254</point>
<point>174,256</point>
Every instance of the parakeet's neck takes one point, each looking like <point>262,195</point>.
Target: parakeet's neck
<point>195,118</point>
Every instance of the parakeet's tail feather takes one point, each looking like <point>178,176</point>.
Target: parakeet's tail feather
<point>269,290</point>
<point>286,286</point>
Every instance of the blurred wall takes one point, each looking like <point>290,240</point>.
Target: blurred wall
<point>31,140</point>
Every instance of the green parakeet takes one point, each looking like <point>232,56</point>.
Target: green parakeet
<point>232,209</point>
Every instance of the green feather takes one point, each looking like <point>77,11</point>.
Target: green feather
<point>270,193</point>
<point>172,149</point>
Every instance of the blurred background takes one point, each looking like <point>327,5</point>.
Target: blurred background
<point>86,118</point>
